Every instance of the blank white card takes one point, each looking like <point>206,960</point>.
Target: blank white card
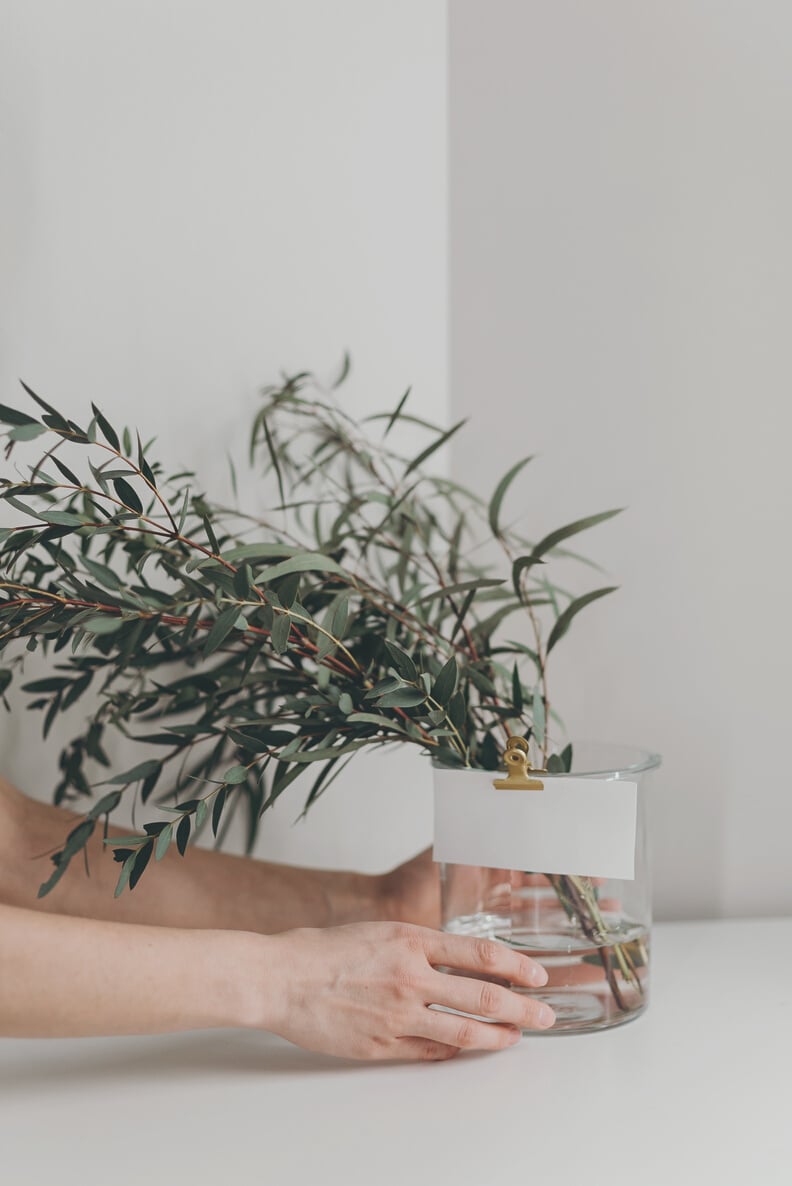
<point>581,826</point>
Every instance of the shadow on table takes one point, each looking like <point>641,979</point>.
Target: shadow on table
<point>74,1062</point>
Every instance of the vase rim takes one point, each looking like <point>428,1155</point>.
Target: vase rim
<point>634,760</point>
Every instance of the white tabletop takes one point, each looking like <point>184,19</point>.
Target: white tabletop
<point>698,1090</point>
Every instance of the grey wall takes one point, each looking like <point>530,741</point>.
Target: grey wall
<point>196,195</point>
<point>621,187</point>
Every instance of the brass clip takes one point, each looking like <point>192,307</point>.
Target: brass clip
<point>517,768</point>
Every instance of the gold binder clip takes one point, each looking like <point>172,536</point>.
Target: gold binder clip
<point>517,769</point>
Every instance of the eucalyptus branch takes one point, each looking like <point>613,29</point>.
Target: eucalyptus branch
<point>277,645</point>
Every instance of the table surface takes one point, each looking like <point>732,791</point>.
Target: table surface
<point>697,1091</point>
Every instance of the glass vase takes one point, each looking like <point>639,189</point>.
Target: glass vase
<point>591,935</point>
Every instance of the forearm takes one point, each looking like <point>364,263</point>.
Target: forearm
<point>203,889</point>
<point>64,977</point>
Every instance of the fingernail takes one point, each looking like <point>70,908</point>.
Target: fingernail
<point>538,975</point>
<point>545,1016</point>
<point>515,1037</point>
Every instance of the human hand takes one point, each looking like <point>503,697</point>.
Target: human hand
<point>364,991</point>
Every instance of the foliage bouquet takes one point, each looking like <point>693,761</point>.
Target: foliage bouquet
<point>374,603</point>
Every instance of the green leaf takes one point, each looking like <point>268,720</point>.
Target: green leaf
<point>538,716</point>
<point>127,495</point>
<point>61,518</point>
<point>279,635</point>
<point>108,432</point>
<point>141,860</point>
<point>143,465</point>
<point>183,834</point>
<point>183,512</point>
<point>222,626</point>
<point>521,565</point>
<point>217,809</point>
<point>402,662</point>
<point>287,589</point>
<point>106,804</point>
<point>305,562</point>
<point>235,775</point>
<point>556,537</point>
<point>563,622</point>
<point>336,622</point>
<point>123,879</point>
<point>101,573</point>
<point>68,474</point>
<point>243,581</point>
<point>562,533</point>
<point>403,698</point>
<point>12,416</point>
<point>460,587</point>
<point>373,718</point>
<point>75,842</point>
<point>27,432</point>
<point>446,682</point>
<point>273,453</point>
<point>142,770</point>
<point>463,611</point>
<point>259,551</point>
<point>103,624</point>
<point>346,366</point>
<point>500,492</point>
<point>321,753</point>
<point>210,533</point>
<point>457,710</point>
<point>43,404</point>
<point>396,412</point>
<point>346,704</point>
<point>427,453</point>
<point>517,694</point>
<point>163,842</point>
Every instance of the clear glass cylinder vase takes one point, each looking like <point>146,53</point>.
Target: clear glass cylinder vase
<point>591,935</point>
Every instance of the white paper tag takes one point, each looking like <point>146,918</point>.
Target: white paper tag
<point>581,826</point>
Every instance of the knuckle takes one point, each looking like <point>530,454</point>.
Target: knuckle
<point>488,953</point>
<point>489,999</point>
<point>433,1052</point>
<point>408,936</point>
<point>465,1034</point>
<point>400,931</point>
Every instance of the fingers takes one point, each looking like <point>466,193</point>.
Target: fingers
<point>486,999</point>
<point>465,1033</point>
<point>485,957</point>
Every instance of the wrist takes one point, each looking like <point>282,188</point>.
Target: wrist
<point>235,980</point>
<point>254,993</point>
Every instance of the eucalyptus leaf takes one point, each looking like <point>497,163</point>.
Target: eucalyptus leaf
<point>563,623</point>
<point>500,493</point>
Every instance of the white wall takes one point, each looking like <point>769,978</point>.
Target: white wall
<point>197,194</point>
<point>621,188</point>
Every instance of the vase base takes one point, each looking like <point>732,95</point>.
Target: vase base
<point>590,986</point>
<point>582,1013</point>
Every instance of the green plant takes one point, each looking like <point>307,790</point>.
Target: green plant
<point>246,652</point>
